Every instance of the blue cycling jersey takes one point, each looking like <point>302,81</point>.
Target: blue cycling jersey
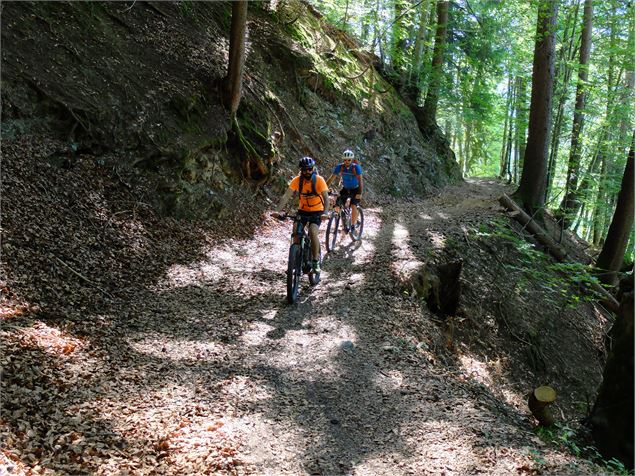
<point>348,174</point>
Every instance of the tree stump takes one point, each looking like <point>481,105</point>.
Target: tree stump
<point>539,402</point>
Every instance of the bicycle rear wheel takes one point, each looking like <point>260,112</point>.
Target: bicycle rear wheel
<point>356,234</point>
<point>331,231</point>
<point>294,271</point>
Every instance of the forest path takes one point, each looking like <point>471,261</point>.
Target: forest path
<point>209,370</point>
<point>327,386</point>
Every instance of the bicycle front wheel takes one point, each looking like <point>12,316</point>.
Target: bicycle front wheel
<point>331,231</point>
<point>294,271</point>
<point>356,233</point>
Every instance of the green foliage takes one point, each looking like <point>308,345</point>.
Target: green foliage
<point>566,438</point>
<point>185,8</point>
<point>571,281</point>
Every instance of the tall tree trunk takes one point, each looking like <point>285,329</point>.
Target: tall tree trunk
<point>612,255</point>
<point>398,39</point>
<point>468,148</point>
<point>573,170</point>
<point>432,97</point>
<point>508,149</point>
<point>420,41</point>
<point>531,191</point>
<point>508,107</point>
<point>611,419</point>
<point>234,78</point>
<point>521,126</point>
<point>562,75</point>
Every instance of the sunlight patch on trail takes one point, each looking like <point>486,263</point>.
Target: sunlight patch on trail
<point>49,340</point>
<point>437,239</point>
<point>488,373</point>
<point>404,260</point>
<point>305,350</point>
<point>175,350</point>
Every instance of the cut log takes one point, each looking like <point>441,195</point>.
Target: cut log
<point>539,402</point>
<point>554,248</point>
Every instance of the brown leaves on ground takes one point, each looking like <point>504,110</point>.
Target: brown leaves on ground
<point>165,348</point>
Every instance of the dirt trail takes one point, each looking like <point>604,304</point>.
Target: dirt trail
<point>210,371</point>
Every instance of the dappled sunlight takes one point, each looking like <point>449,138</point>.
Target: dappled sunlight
<point>49,340</point>
<point>389,381</point>
<point>305,349</point>
<point>256,332</point>
<point>476,370</point>
<point>437,239</point>
<point>176,350</point>
<point>404,260</point>
<point>178,275</point>
<point>488,374</point>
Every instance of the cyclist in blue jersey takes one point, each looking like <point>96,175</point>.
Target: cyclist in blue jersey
<point>352,184</point>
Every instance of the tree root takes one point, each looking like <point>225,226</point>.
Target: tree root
<point>251,155</point>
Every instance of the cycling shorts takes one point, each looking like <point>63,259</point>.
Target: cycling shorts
<point>310,217</point>
<point>348,193</point>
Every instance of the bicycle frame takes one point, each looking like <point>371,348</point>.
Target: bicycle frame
<point>299,259</point>
<point>345,216</point>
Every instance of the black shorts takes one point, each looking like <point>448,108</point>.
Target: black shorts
<point>310,217</point>
<point>348,193</point>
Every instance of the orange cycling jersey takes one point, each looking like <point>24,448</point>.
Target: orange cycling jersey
<point>308,201</point>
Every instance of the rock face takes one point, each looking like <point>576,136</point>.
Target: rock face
<point>144,82</point>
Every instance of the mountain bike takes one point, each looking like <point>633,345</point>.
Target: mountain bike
<point>343,218</point>
<point>299,259</point>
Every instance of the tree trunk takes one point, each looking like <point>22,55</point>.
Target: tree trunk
<point>521,126</point>
<point>600,210</point>
<point>234,78</point>
<point>420,41</point>
<point>573,169</point>
<point>532,182</point>
<point>432,97</point>
<point>611,419</point>
<point>612,255</point>
<point>562,75</point>
<point>508,105</point>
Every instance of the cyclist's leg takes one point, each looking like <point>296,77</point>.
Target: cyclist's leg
<point>354,203</point>
<point>315,240</point>
<point>339,202</point>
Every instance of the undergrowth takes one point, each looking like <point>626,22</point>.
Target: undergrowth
<point>569,280</point>
<point>566,438</point>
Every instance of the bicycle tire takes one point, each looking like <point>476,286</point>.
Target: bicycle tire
<point>356,235</point>
<point>314,278</point>
<point>294,271</point>
<point>331,231</point>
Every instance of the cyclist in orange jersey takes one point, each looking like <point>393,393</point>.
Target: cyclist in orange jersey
<point>313,206</point>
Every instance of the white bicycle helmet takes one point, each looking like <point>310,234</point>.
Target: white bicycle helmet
<point>348,154</point>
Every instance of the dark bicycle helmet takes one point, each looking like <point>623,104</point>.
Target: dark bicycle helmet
<point>306,163</point>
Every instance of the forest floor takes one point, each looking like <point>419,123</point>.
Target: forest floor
<point>133,344</point>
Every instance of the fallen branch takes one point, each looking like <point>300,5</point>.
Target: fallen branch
<point>84,278</point>
<point>554,248</point>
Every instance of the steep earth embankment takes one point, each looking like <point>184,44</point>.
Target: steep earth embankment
<point>141,82</point>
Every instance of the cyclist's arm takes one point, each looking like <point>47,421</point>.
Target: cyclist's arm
<point>361,186</point>
<point>284,199</point>
<point>325,199</point>
<point>330,180</point>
